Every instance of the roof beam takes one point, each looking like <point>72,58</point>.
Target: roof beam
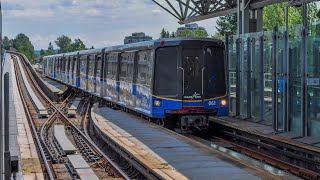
<point>206,9</point>
<point>208,16</point>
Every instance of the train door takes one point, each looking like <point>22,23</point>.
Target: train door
<point>83,71</point>
<point>193,77</point>
<point>97,75</point>
<point>91,78</point>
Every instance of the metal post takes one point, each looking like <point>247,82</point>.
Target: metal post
<point>227,68</point>
<point>249,55</point>
<point>259,19</point>
<point>286,73</point>
<point>7,161</point>
<point>239,19</point>
<point>238,81</point>
<point>1,114</point>
<point>245,16</point>
<point>227,62</point>
<point>304,73</point>
<point>261,78</point>
<point>275,80</point>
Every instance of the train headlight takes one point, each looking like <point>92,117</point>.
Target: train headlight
<point>157,103</point>
<point>223,102</point>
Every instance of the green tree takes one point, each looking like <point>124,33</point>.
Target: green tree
<point>227,24</point>
<point>50,50</point>
<point>78,45</point>
<point>273,15</point>
<point>185,33</point>
<point>200,34</point>
<point>64,44</point>
<point>164,33</point>
<point>189,33</point>
<point>7,43</point>
<point>42,53</point>
<point>24,46</point>
<point>172,35</point>
<point>218,36</point>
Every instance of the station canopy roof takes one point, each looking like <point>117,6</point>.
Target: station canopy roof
<point>188,11</point>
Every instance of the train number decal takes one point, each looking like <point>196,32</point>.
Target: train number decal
<point>212,103</point>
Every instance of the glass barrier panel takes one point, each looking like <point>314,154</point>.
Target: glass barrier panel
<point>243,76</point>
<point>313,83</point>
<point>267,72</point>
<point>256,74</point>
<point>232,58</point>
<point>294,98</point>
<point>280,76</point>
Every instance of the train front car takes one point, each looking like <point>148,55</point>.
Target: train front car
<point>189,81</point>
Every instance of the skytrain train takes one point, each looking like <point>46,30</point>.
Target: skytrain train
<point>180,79</point>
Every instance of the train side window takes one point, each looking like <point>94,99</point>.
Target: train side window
<point>70,69</point>
<point>166,72</point>
<point>83,68</point>
<point>92,59</point>
<point>74,65</point>
<point>105,68</point>
<point>60,64</point>
<point>145,65</point>
<point>65,68</point>
<point>56,63</point>
<point>123,66</point>
<point>56,60</point>
<point>68,65</point>
<point>126,73</point>
<point>112,66</point>
<point>98,71</point>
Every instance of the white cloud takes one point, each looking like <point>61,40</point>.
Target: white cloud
<point>156,11</point>
<point>93,12</point>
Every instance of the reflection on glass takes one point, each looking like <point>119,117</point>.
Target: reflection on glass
<point>313,86</point>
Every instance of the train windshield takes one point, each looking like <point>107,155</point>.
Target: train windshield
<point>166,72</point>
<point>215,72</point>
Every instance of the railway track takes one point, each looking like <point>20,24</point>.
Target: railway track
<point>54,163</point>
<point>298,161</point>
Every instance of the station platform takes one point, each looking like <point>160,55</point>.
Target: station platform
<point>172,155</point>
<point>21,140</point>
<point>266,130</point>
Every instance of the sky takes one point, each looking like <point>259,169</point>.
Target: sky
<point>97,23</point>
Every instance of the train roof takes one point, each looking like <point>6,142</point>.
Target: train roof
<point>144,44</point>
<point>71,53</point>
<point>92,51</point>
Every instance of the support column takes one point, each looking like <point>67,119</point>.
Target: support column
<point>239,18</point>
<point>245,16</point>
<point>304,72</point>
<point>259,18</point>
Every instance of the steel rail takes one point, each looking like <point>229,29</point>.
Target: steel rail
<point>296,170</point>
<point>265,149</point>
